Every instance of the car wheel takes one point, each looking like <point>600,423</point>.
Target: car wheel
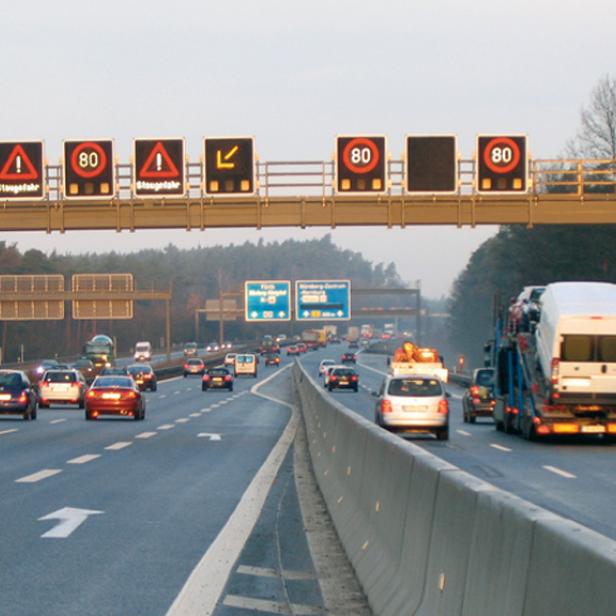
<point>443,434</point>
<point>230,388</point>
<point>185,375</point>
<point>355,389</point>
<point>499,425</point>
<point>88,416</point>
<point>82,404</point>
<point>43,405</point>
<point>203,388</point>
<point>330,388</point>
<point>472,419</point>
<point>26,416</point>
<point>153,387</point>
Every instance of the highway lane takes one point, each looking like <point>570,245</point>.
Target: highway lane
<point>576,479</point>
<point>164,492</point>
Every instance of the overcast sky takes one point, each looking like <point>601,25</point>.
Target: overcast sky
<point>294,74</point>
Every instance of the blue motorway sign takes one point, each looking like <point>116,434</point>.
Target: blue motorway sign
<point>323,300</point>
<point>267,300</point>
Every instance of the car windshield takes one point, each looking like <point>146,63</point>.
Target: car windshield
<point>60,377</point>
<point>83,363</point>
<point>142,347</point>
<point>139,369</point>
<point>9,379</point>
<point>343,372</point>
<point>113,381</point>
<point>415,387</point>
<point>244,359</point>
<point>536,294</point>
<point>485,378</point>
<point>194,362</point>
<point>191,345</point>
<point>218,372</point>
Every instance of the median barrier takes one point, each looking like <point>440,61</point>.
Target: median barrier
<point>426,538</point>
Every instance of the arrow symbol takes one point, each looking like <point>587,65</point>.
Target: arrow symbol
<point>208,435</point>
<point>70,520</point>
<point>226,158</point>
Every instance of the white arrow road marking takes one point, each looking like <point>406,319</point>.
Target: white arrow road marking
<point>70,520</point>
<point>84,459</point>
<point>119,445</point>
<point>212,437</point>
<point>44,474</point>
<point>9,431</point>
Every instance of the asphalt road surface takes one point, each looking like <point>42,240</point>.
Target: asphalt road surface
<point>113,516</point>
<point>572,477</point>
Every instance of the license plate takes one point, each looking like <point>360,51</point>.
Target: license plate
<point>109,396</point>
<point>415,409</point>
<point>5,397</point>
<point>217,379</point>
<point>59,387</point>
<point>593,429</point>
<point>344,381</point>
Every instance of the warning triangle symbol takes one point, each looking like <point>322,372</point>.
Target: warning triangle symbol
<point>159,165</point>
<point>18,166</point>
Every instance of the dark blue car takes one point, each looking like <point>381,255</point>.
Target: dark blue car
<point>17,396</point>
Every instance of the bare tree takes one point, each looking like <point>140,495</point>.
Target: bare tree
<point>596,137</point>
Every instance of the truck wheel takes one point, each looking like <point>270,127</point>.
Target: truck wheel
<point>528,429</point>
<point>472,418</point>
<point>443,434</point>
<point>507,427</point>
<point>499,425</point>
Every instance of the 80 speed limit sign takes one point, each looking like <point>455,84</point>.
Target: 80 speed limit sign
<point>88,169</point>
<point>361,164</point>
<point>502,164</point>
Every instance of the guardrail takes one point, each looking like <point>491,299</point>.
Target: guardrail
<point>425,537</point>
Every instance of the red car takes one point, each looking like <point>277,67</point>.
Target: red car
<point>194,366</point>
<point>302,348</point>
<point>293,350</point>
<point>114,395</point>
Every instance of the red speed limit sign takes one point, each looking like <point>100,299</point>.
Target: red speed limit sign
<point>502,164</point>
<point>361,164</point>
<point>88,169</point>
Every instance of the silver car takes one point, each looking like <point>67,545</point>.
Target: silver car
<point>413,404</point>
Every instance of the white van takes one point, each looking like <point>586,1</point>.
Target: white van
<point>143,351</point>
<point>245,363</point>
<point>576,342</point>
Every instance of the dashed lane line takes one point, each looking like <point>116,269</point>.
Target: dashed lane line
<point>145,435</point>
<point>500,447</point>
<point>165,427</point>
<point>195,415</point>
<point>559,471</point>
<point>182,420</point>
<point>57,421</point>
<point>287,574</point>
<point>88,457</point>
<point>10,431</point>
<point>119,445</point>
<point>464,433</point>
<point>39,476</point>
<point>271,607</point>
<point>176,393</point>
<point>162,397</point>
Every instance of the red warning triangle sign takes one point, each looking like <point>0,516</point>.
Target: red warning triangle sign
<point>18,166</point>
<point>159,165</point>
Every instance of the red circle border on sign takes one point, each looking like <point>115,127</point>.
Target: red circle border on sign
<point>98,149</point>
<point>505,141</point>
<point>359,141</point>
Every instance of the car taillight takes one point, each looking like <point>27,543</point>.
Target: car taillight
<point>333,377</point>
<point>73,385</point>
<point>386,406</point>
<point>23,398</point>
<point>146,376</point>
<point>228,378</point>
<point>443,407</point>
<point>186,366</point>
<point>476,400</point>
<point>475,390</point>
<point>354,377</point>
<point>206,377</point>
<point>131,395</point>
<point>555,369</point>
<point>92,394</point>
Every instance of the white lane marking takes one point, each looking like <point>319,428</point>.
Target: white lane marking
<point>287,574</point>
<point>11,430</point>
<point>57,421</point>
<point>255,388</point>
<point>119,445</point>
<point>205,410</point>
<point>182,420</point>
<point>165,427</point>
<point>500,447</point>
<point>559,471</point>
<point>162,397</point>
<point>464,433</point>
<point>271,607</point>
<point>44,474</point>
<point>209,578</point>
<point>88,457</point>
<point>144,435</point>
<point>210,436</point>
<point>195,415</point>
<point>173,378</point>
<point>177,392</point>
<point>371,368</point>
<point>456,396</point>
<point>70,520</point>
<point>214,406</point>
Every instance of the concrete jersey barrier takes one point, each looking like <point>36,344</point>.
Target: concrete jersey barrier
<point>427,538</point>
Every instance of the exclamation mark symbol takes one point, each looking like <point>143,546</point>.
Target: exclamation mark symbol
<point>159,161</point>
<point>18,163</point>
